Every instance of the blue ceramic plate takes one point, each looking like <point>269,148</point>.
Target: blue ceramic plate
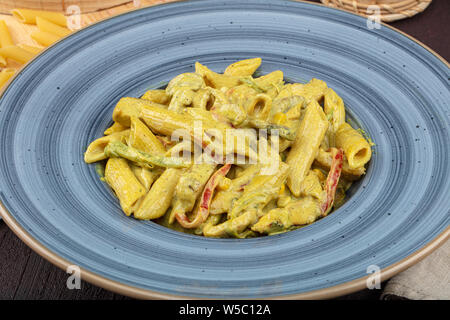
<point>393,87</point>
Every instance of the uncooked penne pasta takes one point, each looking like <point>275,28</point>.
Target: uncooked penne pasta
<point>5,75</point>
<point>45,38</point>
<point>124,183</point>
<point>32,49</point>
<point>16,53</point>
<point>3,62</point>
<point>5,36</point>
<point>29,16</point>
<point>50,27</point>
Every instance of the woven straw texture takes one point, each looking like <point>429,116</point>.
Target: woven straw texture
<point>389,10</point>
<point>59,5</point>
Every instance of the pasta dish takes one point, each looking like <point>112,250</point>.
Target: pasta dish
<point>231,154</point>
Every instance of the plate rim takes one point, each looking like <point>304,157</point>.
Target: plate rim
<point>139,293</point>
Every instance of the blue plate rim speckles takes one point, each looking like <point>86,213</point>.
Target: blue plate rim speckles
<point>49,196</point>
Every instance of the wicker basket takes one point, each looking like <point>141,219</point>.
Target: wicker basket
<point>59,5</point>
<point>390,10</point>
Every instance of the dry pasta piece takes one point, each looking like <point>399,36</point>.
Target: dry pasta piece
<point>122,180</point>
<point>356,148</point>
<point>29,16</point>
<point>32,49</point>
<point>5,36</point>
<point>5,75</point>
<point>16,53</point>
<point>3,62</point>
<point>50,27</point>
<point>45,38</point>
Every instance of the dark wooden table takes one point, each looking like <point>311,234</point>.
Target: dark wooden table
<point>25,275</point>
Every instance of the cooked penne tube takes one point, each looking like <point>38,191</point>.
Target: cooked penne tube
<point>5,75</point>
<point>324,160</point>
<point>306,145</point>
<point>45,38</point>
<point>143,139</point>
<point>335,111</point>
<point>300,212</point>
<point>157,96</point>
<point>145,176</point>
<point>258,193</point>
<point>243,68</point>
<point>29,16</point>
<point>96,150</point>
<point>50,27</point>
<point>159,198</point>
<point>202,211</point>
<point>5,36</point>
<point>216,80</point>
<point>124,183</point>
<point>17,54</point>
<point>231,155</point>
<point>128,107</point>
<point>313,90</point>
<point>116,127</point>
<point>356,148</point>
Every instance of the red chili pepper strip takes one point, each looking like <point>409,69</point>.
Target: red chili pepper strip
<point>332,181</point>
<point>205,200</point>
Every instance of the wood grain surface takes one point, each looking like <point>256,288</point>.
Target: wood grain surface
<point>25,275</point>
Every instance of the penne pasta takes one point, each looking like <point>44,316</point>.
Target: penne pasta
<point>45,38</point>
<point>356,148</point>
<point>231,155</point>
<point>143,139</point>
<point>335,111</point>
<point>159,198</point>
<point>157,96</point>
<point>5,36</point>
<point>243,68</point>
<point>3,62</point>
<point>124,183</point>
<point>16,53</point>
<point>32,49</point>
<point>116,127</point>
<point>29,16</point>
<point>306,145</point>
<point>50,27</point>
<point>96,150</point>
<point>5,75</point>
